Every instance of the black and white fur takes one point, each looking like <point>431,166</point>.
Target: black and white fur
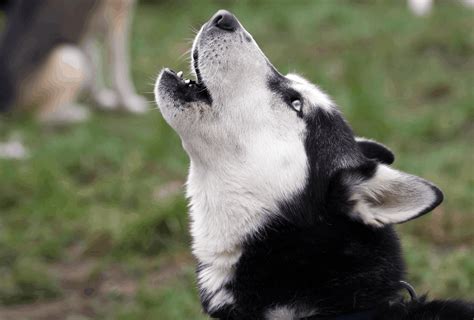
<point>290,213</point>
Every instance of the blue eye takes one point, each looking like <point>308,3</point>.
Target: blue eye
<point>297,105</point>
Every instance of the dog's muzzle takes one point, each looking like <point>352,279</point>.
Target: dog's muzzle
<point>184,90</point>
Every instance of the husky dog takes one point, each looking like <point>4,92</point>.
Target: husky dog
<point>48,54</point>
<point>291,214</point>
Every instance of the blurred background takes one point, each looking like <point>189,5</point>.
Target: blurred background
<point>93,224</point>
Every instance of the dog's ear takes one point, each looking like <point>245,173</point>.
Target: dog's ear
<point>389,196</point>
<point>375,150</point>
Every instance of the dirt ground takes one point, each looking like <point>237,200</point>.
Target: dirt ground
<point>89,289</point>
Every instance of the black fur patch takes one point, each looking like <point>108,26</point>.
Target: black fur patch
<point>196,65</point>
<point>4,4</point>
<point>426,310</point>
<point>281,86</point>
<point>376,151</point>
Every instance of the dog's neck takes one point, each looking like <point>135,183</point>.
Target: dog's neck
<point>229,203</point>
<point>232,197</point>
<point>224,209</point>
<point>229,209</point>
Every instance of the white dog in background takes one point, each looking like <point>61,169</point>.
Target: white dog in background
<point>423,7</point>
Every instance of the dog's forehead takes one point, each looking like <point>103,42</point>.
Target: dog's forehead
<point>310,92</point>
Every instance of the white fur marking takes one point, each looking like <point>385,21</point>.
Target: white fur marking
<point>391,197</point>
<point>311,92</point>
<point>289,313</point>
<point>220,299</point>
<point>281,313</point>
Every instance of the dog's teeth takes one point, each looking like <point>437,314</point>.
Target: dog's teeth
<point>180,74</point>
<point>187,81</point>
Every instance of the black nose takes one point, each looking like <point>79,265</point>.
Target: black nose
<point>225,20</point>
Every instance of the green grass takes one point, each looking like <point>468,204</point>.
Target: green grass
<point>107,196</point>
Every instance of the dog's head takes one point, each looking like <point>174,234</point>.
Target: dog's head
<point>279,136</point>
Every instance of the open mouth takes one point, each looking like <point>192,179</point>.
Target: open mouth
<point>187,90</point>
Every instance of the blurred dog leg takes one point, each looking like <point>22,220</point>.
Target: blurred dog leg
<point>103,98</point>
<point>118,14</point>
<point>56,86</point>
<point>420,7</point>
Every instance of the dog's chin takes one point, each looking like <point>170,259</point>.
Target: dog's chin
<point>182,91</point>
